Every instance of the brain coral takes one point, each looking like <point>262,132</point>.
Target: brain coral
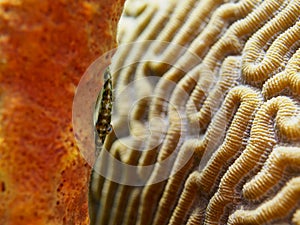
<point>222,107</point>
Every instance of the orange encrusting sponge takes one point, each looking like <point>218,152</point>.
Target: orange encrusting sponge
<point>45,47</point>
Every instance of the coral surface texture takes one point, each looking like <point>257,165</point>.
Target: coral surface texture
<point>206,115</point>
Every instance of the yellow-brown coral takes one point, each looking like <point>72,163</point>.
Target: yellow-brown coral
<point>232,130</point>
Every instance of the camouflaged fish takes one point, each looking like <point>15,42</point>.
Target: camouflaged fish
<point>103,110</point>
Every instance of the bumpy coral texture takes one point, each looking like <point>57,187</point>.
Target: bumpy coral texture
<point>45,47</point>
<point>239,125</point>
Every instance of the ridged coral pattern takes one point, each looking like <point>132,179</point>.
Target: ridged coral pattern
<point>243,92</point>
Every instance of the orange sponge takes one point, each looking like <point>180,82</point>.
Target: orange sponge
<point>45,47</point>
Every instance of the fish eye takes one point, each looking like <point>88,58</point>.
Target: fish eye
<point>109,129</point>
